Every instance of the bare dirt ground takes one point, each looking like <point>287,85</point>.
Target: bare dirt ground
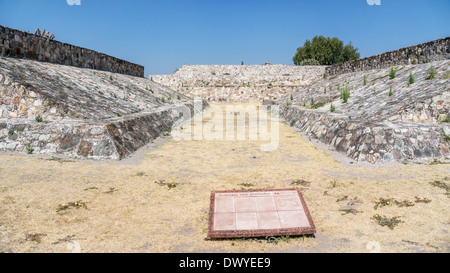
<point>50,205</point>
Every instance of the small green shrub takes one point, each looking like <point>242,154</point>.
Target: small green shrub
<point>292,97</point>
<point>332,108</point>
<point>390,92</point>
<point>392,73</point>
<point>345,93</point>
<point>317,105</point>
<point>446,137</point>
<point>30,149</point>
<point>411,78</point>
<point>163,100</point>
<point>431,73</point>
<point>110,78</point>
<point>385,221</point>
<point>11,132</point>
<point>365,80</point>
<point>178,97</point>
<point>39,118</point>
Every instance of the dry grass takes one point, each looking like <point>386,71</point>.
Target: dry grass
<point>139,215</point>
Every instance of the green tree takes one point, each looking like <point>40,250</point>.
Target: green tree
<point>327,51</point>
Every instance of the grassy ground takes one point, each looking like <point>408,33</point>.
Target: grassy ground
<point>132,206</point>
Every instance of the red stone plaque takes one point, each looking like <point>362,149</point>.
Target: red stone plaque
<point>258,213</point>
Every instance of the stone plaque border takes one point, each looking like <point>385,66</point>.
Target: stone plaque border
<point>254,233</point>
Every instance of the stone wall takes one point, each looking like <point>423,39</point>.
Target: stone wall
<point>423,53</point>
<point>115,138</point>
<point>371,141</point>
<point>84,113</point>
<point>239,83</point>
<point>15,43</point>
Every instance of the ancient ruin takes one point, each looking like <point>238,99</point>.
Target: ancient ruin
<point>400,117</point>
<point>48,108</point>
<point>59,100</point>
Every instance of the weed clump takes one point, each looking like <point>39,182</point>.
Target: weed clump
<point>77,205</point>
<point>385,221</point>
<point>169,186</point>
<point>392,73</point>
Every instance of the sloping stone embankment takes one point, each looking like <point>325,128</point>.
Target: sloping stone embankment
<point>54,109</point>
<point>371,141</point>
<point>384,118</point>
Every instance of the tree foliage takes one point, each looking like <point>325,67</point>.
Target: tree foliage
<point>327,51</point>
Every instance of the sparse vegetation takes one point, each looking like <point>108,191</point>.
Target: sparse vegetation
<point>345,93</point>
<point>170,186</point>
<point>381,202</point>
<point>365,80</point>
<point>332,108</point>
<point>11,132</point>
<point>316,105</point>
<point>39,118</point>
<point>411,78</point>
<point>249,185</point>
<point>446,137</point>
<point>91,188</point>
<point>385,221</point>
<point>392,73</point>
<point>390,92</point>
<point>36,237</point>
<point>301,182</point>
<point>431,73</point>
<point>442,185</point>
<point>29,149</point>
<point>111,190</point>
<point>77,205</point>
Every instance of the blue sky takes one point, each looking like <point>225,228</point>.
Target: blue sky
<point>166,34</point>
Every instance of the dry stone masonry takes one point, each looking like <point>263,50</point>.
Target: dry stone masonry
<point>384,119</point>
<point>84,113</point>
<point>20,44</point>
<point>392,106</point>
<point>239,83</point>
<point>436,50</point>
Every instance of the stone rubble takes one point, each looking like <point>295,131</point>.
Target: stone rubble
<point>239,83</point>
